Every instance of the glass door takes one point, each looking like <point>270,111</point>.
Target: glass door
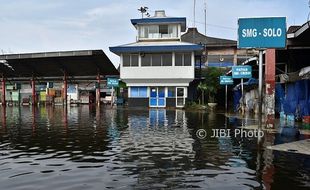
<point>180,98</point>
<point>153,97</point>
<point>157,97</point>
<point>161,102</point>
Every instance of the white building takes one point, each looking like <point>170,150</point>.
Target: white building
<point>158,67</point>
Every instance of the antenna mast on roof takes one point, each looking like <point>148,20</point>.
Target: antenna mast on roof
<point>194,24</point>
<point>143,10</point>
<point>309,12</point>
<point>205,11</point>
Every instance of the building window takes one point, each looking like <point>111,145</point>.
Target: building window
<point>138,92</point>
<point>134,62</point>
<point>187,59</point>
<point>158,31</point>
<point>146,60</point>
<point>163,59</point>
<point>171,92</point>
<point>126,60</point>
<point>167,59</point>
<point>173,31</point>
<point>156,60</point>
<point>130,60</point>
<point>183,59</point>
<point>163,30</point>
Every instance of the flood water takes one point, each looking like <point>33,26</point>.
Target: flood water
<point>90,148</point>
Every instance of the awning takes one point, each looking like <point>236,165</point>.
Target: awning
<point>139,47</point>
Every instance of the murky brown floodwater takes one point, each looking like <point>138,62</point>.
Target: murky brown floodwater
<point>87,148</point>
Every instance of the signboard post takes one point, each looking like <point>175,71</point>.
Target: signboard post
<point>241,72</point>
<point>112,82</point>
<point>261,33</point>
<point>226,80</point>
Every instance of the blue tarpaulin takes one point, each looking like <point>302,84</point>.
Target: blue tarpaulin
<point>237,96</point>
<point>279,98</point>
<point>297,99</point>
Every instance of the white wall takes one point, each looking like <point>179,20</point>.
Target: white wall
<point>164,72</point>
<point>158,72</point>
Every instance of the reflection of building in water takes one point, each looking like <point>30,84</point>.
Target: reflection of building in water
<point>159,139</point>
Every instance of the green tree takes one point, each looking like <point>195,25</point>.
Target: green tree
<point>211,84</point>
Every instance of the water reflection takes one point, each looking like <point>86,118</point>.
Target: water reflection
<point>89,147</point>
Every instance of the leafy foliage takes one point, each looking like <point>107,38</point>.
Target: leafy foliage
<point>210,84</point>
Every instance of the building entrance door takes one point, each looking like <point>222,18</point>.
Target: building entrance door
<point>157,97</point>
<point>180,98</point>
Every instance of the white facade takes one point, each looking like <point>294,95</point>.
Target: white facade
<point>181,75</point>
<point>158,67</point>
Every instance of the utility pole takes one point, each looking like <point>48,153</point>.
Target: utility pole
<point>205,11</point>
<point>194,25</point>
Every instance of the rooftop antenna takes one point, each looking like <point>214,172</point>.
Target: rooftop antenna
<point>194,24</point>
<point>309,12</point>
<point>205,11</point>
<point>143,10</point>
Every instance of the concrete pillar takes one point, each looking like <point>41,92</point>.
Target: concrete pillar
<point>33,86</point>
<point>4,117</point>
<point>65,94</point>
<point>98,90</point>
<point>270,71</point>
<point>3,92</point>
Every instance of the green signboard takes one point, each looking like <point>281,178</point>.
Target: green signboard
<point>239,72</point>
<point>226,80</point>
<point>112,82</point>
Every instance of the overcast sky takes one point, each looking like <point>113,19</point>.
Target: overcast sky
<point>54,25</point>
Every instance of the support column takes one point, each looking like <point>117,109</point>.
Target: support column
<point>65,94</point>
<point>3,92</point>
<point>270,71</point>
<point>98,90</point>
<point>33,86</point>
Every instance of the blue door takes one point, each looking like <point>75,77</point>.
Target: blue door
<point>157,97</point>
<point>153,97</point>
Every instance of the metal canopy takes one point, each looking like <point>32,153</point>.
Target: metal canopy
<point>55,64</point>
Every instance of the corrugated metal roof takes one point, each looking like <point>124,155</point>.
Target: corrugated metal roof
<point>52,64</point>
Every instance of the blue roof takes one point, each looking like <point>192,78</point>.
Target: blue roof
<point>164,20</point>
<point>220,64</point>
<point>155,48</point>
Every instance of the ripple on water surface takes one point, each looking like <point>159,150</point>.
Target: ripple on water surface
<point>88,148</point>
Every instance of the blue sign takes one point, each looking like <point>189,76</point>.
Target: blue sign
<point>262,32</point>
<point>112,82</point>
<point>239,72</point>
<point>226,80</point>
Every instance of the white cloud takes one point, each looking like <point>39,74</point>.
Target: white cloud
<point>51,25</point>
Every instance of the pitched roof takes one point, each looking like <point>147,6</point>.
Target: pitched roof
<point>293,29</point>
<point>193,36</point>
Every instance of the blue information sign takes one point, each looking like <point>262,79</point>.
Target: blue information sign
<point>226,80</point>
<point>269,32</point>
<point>239,72</point>
<point>112,82</point>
